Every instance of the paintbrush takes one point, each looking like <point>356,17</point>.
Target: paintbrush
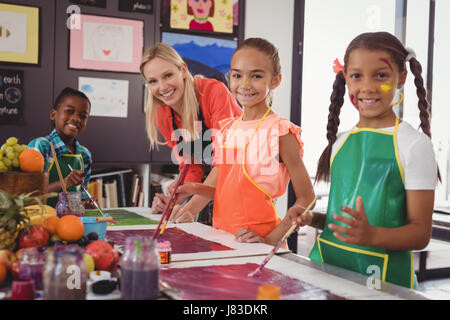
<point>279,243</point>
<point>89,195</point>
<point>61,179</point>
<point>170,204</point>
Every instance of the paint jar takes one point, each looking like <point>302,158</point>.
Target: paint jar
<point>69,203</point>
<point>139,267</point>
<point>23,290</point>
<point>165,252</point>
<point>31,266</point>
<point>269,292</point>
<point>65,274</point>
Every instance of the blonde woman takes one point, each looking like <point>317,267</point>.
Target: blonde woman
<point>183,109</point>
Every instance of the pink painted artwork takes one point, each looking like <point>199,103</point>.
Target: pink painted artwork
<point>182,242</point>
<point>230,282</point>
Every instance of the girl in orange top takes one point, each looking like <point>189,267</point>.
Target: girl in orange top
<point>177,100</point>
<point>256,154</point>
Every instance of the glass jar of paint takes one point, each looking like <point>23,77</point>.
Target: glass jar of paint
<point>268,292</point>
<point>70,203</point>
<point>139,266</point>
<point>32,266</point>
<point>165,252</point>
<point>65,274</point>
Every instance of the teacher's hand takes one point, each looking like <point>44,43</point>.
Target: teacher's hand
<point>181,214</point>
<point>159,203</point>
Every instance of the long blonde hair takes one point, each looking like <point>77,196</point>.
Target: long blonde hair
<point>190,105</point>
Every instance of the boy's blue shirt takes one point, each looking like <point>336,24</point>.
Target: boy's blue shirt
<point>42,144</point>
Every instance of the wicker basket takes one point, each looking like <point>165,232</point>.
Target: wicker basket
<point>24,182</point>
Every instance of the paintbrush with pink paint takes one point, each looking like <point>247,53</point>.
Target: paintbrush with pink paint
<point>170,204</point>
<point>279,243</point>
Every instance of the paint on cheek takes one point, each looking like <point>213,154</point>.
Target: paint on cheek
<point>352,99</point>
<point>246,82</point>
<point>387,62</point>
<point>386,87</point>
<point>263,82</point>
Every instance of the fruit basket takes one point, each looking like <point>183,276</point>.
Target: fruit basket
<point>15,182</point>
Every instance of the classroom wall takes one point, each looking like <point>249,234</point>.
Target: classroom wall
<point>274,21</point>
<point>109,139</point>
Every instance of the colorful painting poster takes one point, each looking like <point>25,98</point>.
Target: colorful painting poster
<point>141,6</point>
<point>203,15</point>
<point>108,44</point>
<point>109,97</point>
<point>11,96</point>
<point>19,34</point>
<point>207,56</point>
<point>92,3</point>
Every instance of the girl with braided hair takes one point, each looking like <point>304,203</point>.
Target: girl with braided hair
<point>383,172</point>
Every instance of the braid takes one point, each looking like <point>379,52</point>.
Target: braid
<point>337,100</point>
<point>424,106</point>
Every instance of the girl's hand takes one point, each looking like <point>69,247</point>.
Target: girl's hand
<point>181,214</point>
<point>159,203</point>
<point>359,232</point>
<point>245,235</point>
<point>297,217</point>
<point>74,178</point>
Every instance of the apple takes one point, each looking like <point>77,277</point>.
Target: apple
<point>35,236</point>
<point>7,258</point>
<point>105,256</point>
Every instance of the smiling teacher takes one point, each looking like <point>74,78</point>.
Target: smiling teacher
<point>186,110</point>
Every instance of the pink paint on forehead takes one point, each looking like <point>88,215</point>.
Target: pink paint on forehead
<point>231,282</point>
<point>182,242</point>
<point>387,62</point>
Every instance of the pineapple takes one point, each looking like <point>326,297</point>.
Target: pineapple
<point>12,219</point>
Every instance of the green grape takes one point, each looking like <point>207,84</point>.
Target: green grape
<point>11,155</point>
<point>17,148</point>
<point>3,167</point>
<point>7,162</point>
<point>15,163</point>
<point>3,148</point>
<point>12,141</point>
<point>9,150</point>
<point>24,147</point>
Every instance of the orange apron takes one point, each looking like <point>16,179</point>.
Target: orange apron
<point>239,202</point>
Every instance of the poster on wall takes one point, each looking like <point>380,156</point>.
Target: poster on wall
<point>109,97</point>
<point>141,6</point>
<point>11,96</point>
<point>207,56</point>
<point>19,34</point>
<point>201,17</point>
<point>107,44</point>
<point>92,3</point>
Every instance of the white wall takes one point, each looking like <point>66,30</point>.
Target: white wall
<point>274,21</point>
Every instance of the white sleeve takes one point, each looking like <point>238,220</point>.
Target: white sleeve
<point>420,165</point>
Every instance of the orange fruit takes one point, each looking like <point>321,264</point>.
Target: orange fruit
<point>31,161</point>
<point>70,228</point>
<point>3,273</point>
<point>51,224</point>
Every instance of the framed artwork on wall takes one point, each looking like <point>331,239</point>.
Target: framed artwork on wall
<point>106,44</point>
<point>207,17</point>
<point>207,56</point>
<point>19,34</point>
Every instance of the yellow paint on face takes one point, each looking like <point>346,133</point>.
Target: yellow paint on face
<point>386,87</point>
<point>263,83</point>
<point>246,82</point>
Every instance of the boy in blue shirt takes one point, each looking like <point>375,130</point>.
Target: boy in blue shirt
<point>69,116</point>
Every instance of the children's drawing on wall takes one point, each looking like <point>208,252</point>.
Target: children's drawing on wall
<point>204,15</point>
<point>207,56</point>
<point>107,42</point>
<point>109,97</point>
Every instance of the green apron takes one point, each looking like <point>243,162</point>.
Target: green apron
<point>64,160</point>
<point>367,164</point>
